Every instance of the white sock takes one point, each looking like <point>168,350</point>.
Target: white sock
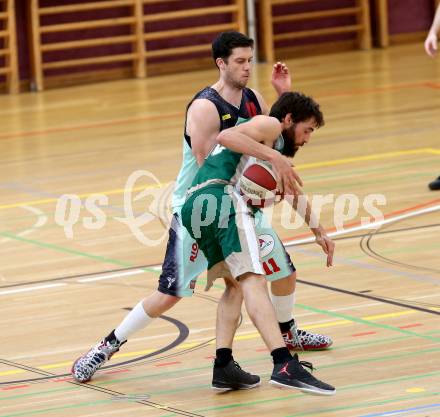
<point>283,305</point>
<point>135,320</point>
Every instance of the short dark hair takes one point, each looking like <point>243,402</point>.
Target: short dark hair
<point>300,106</point>
<point>224,43</point>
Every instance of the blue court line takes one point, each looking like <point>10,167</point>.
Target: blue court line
<point>403,411</point>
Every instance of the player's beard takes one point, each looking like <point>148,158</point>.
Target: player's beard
<point>290,148</point>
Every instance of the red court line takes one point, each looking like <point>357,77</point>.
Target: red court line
<point>363,334</point>
<point>91,125</point>
<point>168,363</point>
<point>181,114</point>
<point>14,387</point>
<point>433,85</point>
<point>357,223</point>
<point>64,379</point>
<point>410,325</point>
<point>117,371</point>
<point>381,89</point>
<point>292,239</point>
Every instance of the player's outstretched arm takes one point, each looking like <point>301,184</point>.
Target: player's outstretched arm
<point>280,81</point>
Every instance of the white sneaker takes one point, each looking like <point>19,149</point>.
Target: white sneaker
<point>85,366</point>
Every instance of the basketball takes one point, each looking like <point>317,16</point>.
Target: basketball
<point>258,185</point>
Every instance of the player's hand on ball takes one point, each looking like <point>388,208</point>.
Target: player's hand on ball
<point>288,181</point>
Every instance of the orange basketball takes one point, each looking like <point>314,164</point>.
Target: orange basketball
<point>258,185</point>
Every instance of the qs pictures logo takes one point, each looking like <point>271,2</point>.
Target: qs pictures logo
<point>141,205</point>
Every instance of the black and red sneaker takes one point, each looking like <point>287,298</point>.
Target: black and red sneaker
<point>293,375</point>
<point>298,339</point>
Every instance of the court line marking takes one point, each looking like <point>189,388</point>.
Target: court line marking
<point>359,91</point>
<point>315,411</point>
<point>367,322</point>
<point>344,388</point>
<point>147,117</point>
<point>297,241</point>
<point>195,331</point>
<point>330,163</point>
<point>404,411</point>
<point>363,405</point>
<point>358,171</point>
<point>371,157</point>
<point>347,320</point>
<point>417,212</point>
<point>40,222</point>
<point>142,271</point>
<point>365,265</point>
<point>83,195</point>
<point>393,356</point>
<point>264,358</point>
<point>91,125</point>
<point>153,267</point>
<point>100,277</point>
<point>35,288</point>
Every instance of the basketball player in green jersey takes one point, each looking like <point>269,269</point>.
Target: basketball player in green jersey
<point>224,226</point>
<point>212,110</point>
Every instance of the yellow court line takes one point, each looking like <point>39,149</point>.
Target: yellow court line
<point>55,365</point>
<point>15,371</point>
<point>335,323</point>
<point>368,158</point>
<point>85,195</point>
<point>240,337</point>
<point>302,166</point>
<point>138,353</point>
<point>389,315</point>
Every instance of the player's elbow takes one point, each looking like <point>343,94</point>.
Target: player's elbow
<point>223,138</point>
<point>200,158</point>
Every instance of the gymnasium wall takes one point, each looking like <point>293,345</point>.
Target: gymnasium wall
<point>311,24</point>
<point>406,17</point>
<point>23,22</point>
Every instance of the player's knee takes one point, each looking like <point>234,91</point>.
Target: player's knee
<point>232,289</point>
<point>284,286</point>
<point>252,281</point>
<point>158,303</point>
<point>169,300</point>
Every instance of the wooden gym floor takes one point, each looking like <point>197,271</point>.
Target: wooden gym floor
<point>62,287</point>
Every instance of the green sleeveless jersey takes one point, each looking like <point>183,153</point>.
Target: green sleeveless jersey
<point>228,117</point>
<point>223,166</point>
<point>186,176</point>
